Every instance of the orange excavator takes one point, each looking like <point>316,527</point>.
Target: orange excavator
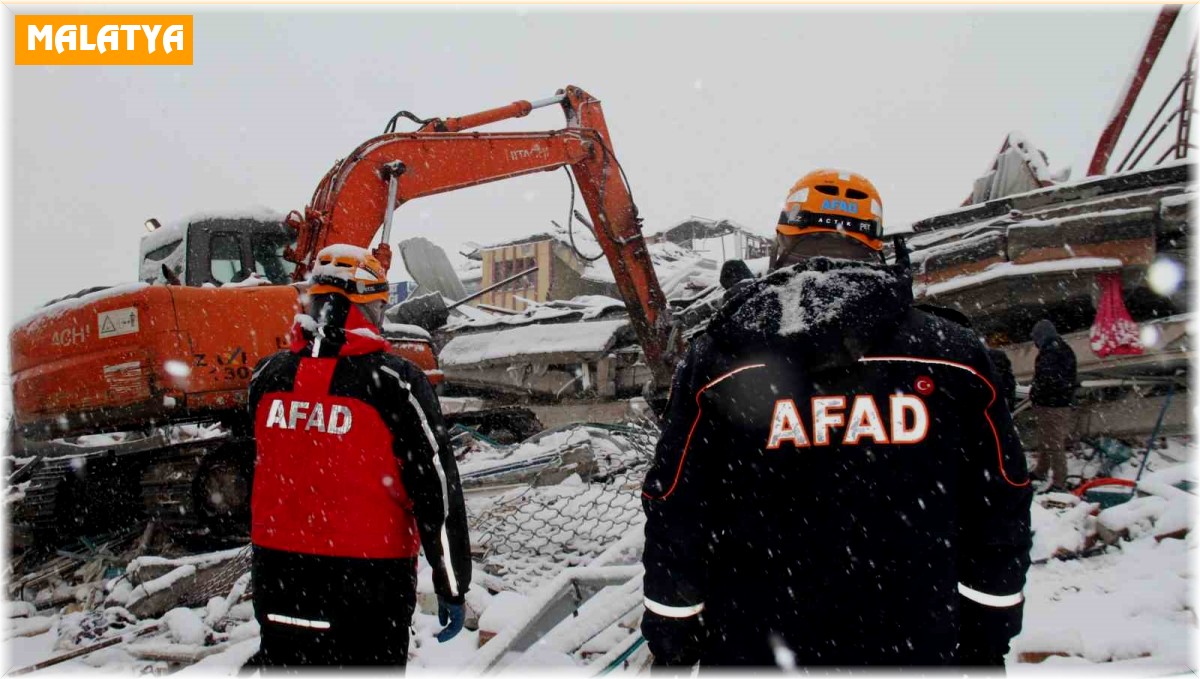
<point>151,355</point>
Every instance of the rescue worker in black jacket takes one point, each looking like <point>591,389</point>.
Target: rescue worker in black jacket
<point>354,475</point>
<point>838,480</point>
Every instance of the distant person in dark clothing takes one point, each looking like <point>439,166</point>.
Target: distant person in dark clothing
<point>1053,394</point>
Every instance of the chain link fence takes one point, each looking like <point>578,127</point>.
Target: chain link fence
<point>221,580</point>
<point>529,534</point>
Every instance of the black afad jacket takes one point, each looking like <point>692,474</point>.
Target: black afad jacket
<point>837,476</point>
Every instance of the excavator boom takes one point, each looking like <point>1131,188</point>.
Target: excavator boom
<point>352,200</point>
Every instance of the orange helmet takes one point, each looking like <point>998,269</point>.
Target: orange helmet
<point>834,201</point>
<point>350,271</point>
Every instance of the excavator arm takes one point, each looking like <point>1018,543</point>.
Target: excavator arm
<point>357,196</point>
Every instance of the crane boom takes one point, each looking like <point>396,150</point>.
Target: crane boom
<point>350,202</point>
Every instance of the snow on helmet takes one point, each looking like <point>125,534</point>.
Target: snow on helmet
<point>350,271</point>
<point>834,201</point>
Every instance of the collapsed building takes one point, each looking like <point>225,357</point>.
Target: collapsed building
<point>1025,245</point>
<point>1104,258</point>
<point>557,332</point>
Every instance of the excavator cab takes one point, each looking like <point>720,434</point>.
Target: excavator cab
<point>216,251</point>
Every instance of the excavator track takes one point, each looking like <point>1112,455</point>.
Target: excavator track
<point>81,494</point>
<point>35,518</point>
<point>200,491</point>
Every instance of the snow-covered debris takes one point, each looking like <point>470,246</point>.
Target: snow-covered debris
<point>1129,603</point>
<point>30,626</point>
<point>1137,516</point>
<point>185,627</point>
<point>227,662</point>
<point>681,272</point>
<point>160,584</point>
<point>1061,531</point>
<point>597,614</point>
<point>593,337</point>
<point>197,560</point>
<point>16,492</point>
<point>580,308</point>
<point>1079,265</point>
<point>20,609</point>
<point>610,450</point>
<point>504,610</point>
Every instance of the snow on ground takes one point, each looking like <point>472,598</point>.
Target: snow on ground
<point>1123,607</point>
<point>1127,604</point>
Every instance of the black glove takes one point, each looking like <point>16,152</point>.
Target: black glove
<point>452,616</point>
<point>984,632</point>
<point>673,641</point>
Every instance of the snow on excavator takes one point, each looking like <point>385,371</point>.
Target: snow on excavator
<point>219,292</point>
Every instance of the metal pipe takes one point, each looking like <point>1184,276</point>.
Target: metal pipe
<point>491,287</point>
<point>1112,131</point>
<point>1184,131</point>
<point>387,212</point>
<point>1153,139</point>
<point>548,101</point>
<point>1153,435</point>
<point>1146,130</point>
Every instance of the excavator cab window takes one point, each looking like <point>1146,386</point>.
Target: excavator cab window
<point>165,251</point>
<point>267,251</point>
<point>225,258</point>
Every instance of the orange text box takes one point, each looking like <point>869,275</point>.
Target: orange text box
<point>103,40</point>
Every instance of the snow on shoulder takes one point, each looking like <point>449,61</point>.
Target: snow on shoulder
<point>815,298</point>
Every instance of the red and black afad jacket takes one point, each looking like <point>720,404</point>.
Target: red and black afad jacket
<point>353,457</point>
<point>838,474</point>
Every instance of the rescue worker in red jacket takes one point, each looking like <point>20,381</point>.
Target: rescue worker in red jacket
<point>838,480</point>
<point>354,476</point>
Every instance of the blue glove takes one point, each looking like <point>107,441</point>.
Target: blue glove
<point>452,616</point>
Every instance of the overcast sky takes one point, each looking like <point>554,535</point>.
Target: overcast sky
<point>713,112</point>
